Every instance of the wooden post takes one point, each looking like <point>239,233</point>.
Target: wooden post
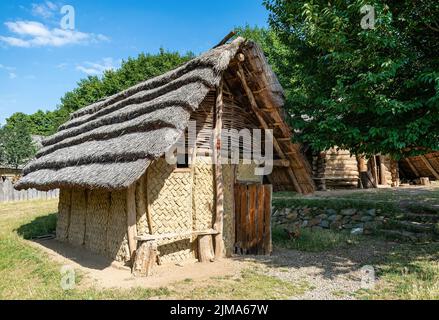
<point>382,171</point>
<point>132,220</point>
<point>145,259</point>
<point>394,170</point>
<point>205,248</point>
<point>219,216</point>
<point>374,171</point>
<point>141,204</point>
<point>365,177</point>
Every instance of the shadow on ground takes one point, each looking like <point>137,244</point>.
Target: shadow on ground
<point>40,226</point>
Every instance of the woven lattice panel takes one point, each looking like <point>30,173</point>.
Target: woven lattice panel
<point>117,244</point>
<point>62,225</point>
<point>169,194</point>
<point>229,213</point>
<point>204,194</point>
<point>96,221</point>
<point>77,216</point>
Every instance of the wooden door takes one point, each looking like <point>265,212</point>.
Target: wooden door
<point>253,219</point>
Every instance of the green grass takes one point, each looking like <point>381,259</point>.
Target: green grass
<point>27,273</point>
<point>314,240</point>
<point>284,201</point>
<point>409,272</point>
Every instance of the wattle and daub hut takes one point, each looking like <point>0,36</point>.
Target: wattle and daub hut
<point>120,198</point>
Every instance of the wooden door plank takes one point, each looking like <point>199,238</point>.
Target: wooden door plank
<point>244,206</point>
<point>238,225</point>
<point>251,230</point>
<point>260,217</point>
<point>267,219</point>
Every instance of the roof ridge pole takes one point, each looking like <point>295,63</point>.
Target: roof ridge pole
<point>219,213</point>
<point>230,35</point>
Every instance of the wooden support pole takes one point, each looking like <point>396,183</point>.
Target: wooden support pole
<point>205,248</point>
<point>264,124</point>
<point>145,259</point>
<point>430,167</point>
<point>394,170</point>
<point>382,171</point>
<point>374,171</point>
<point>219,216</point>
<point>131,220</point>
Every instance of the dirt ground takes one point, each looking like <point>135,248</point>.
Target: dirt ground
<point>334,274</point>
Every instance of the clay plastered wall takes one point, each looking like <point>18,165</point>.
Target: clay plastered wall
<point>169,195</point>
<point>246,173</point>
<point>95,220</point>
<point>229,208</point>
<point>203,194</point>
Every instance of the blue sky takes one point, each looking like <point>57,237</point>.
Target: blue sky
<point>40,61</point>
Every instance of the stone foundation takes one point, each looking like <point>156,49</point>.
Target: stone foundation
<point>363,221</point>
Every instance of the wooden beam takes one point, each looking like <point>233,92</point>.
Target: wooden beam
<point>171,235</point>
<point>255,109</point>
<point>430,167</point>
<point>412,167</point>
<point>282,163</point>
<point>226,38</point>
<point>131,220</point>
<point>219,216</point>
<point>374,171</point>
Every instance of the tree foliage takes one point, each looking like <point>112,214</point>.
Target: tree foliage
<point>16,146</point>
<point>93,88</point>
<point>367,90</point>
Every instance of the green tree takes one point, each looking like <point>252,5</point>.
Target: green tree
<point>16,144</point>
<point>367,90</point>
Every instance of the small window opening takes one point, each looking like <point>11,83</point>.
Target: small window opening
<point>183,161</point>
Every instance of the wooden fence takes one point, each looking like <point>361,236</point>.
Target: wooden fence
<point>8,193</point>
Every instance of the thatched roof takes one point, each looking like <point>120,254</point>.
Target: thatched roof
<point>111,143</point>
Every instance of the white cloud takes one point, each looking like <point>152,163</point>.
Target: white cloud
<point>97,68</point>
<point>7,68</point>
<point>10,71</point>
<point>62,66</point>
<point>35,34</point>
<point>44,10</point>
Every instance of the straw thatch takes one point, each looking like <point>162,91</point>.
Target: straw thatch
<point>111,143</point>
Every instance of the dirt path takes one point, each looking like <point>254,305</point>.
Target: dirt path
<point>332,275</point>
<point>104,273</point>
